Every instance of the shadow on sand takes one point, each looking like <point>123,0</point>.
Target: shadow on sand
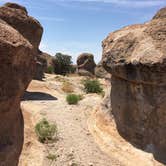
<point>37,96</point>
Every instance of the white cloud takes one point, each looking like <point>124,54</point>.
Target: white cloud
<point>125,3</point>
<point>73,48</point>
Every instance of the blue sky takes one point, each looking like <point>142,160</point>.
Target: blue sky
<point>76,26</point>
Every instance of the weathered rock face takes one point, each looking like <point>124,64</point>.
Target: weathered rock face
<point>100,71</point>
<point>17,16</point>
<point>48,58</point>
<point>17,57</point>
<point>44,61</point>
<point>41,66</point>
<point>86,62</point>
<point>136,58</point>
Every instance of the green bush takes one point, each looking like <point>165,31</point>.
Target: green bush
<point>62,64</point>
<point>50,70</point>
<point>73,98</point>
<point>92,86</point>
<point>45,131</point>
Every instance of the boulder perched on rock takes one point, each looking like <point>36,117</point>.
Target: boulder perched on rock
<point>86,62</point>
<point>20,35</point>
<point>136,58</point>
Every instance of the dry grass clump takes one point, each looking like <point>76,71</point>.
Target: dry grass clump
<point>67,87</point>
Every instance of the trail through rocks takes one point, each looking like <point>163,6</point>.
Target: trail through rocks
<point>75,145</point>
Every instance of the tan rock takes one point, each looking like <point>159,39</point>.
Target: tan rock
<point>136,56</point>
<point>85,61</point>
<point>17,59</point>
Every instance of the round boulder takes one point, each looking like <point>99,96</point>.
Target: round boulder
<point>86,62</point>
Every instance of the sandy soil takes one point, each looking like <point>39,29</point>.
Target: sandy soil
<point>86,137</point>
<point>75,144</point>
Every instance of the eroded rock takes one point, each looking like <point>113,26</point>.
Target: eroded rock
<point>100,71</point>
<point>17,16</point>
<point>17,57</point>
<point>41,66</point>
<point>136,58</point>
<point>86,62</point>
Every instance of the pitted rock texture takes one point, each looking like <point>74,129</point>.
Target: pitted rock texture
<point>41,66</point>
<point>136,58</point>
<point>100,71</point>
<point>86,62</point>
<point>17,57</point>
<point>17,16</point>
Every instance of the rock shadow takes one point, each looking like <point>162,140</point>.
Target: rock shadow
<point>124,107</point>
<point>37,96</point>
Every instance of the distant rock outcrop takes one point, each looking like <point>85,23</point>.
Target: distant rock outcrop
<point>48,58</point>
<point>44,61</point>
<point>86,64</point>
<point>41,66</point>
<point>19,39</point>
<point>136,58</point>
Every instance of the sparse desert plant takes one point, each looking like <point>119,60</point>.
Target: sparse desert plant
<point>62,64</point>
<point>67,87</point>
<point>45,131</point>
<point>72,98</point>
<point>52,157</point>
<point>50,70</point>
<point>92,86</point>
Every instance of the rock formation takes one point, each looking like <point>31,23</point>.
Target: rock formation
<point>86,64</point>
<point>44,61</point>
<point>136,58</point>
<point>19,39</point>
<point>100,71</point>
<point>48,58</point>
<point>41,66</point>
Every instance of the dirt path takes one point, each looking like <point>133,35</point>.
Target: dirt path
<point>75,145</point>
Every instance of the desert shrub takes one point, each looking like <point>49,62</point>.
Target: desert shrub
<point>92,86</point>
<point>52,157</point>
<point>45,131</point>
<point>67,87</point>
<point>72,98</point>
<point>50,70</point>
<point>62,64</point>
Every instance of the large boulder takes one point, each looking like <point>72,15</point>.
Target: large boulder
<point>17,16</point>
<point>136,58</point>
<point>86,62</point>
<point>17,59</point>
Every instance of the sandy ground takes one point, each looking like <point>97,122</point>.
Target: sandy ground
<point>86,137</point>
<point>75,144</point>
